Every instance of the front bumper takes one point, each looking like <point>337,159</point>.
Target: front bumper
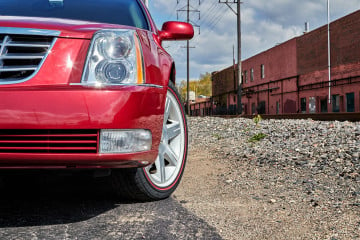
<point>78,107</point>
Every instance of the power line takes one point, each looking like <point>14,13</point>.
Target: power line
<point>188,10</point>
<point>239,71</point>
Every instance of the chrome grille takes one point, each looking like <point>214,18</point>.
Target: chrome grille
<point>22,55</point>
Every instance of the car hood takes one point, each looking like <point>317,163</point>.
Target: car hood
<point>68,28</point>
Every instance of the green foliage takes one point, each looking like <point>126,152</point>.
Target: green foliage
<point>200,87</point>
<point>257,119</point>
<point>217,136</point>
<point>257,137</point>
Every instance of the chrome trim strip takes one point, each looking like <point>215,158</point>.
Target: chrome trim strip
<point>29,31</point>
<point>115,85</point>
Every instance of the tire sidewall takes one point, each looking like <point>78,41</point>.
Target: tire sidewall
<point>149,186</point>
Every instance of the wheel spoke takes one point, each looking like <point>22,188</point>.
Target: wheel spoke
<point>162,169</point>
<point>167,110</point>
<point>161,164</point>
<point>170,155</point>
<point>173,130</point>
<point>157,174</point>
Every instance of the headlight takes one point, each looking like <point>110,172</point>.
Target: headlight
<point>116,47</point>
<point>115,57</point>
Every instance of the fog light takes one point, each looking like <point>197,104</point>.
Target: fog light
<point>125,141</point>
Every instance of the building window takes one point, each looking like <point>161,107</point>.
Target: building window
<point>245,76</point>
<point>253,108</point>
<point>324,105</point>
<point>251,75</point>
<point>277,107</point>
<point>262,107</point>
<point>303,105</point>
<point>350,102</point>
<point>262,71</point>
<point>312,105</point>
<point>335,103</point>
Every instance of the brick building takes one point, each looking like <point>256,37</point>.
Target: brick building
<point>292,77</point>
<point>201,107</point>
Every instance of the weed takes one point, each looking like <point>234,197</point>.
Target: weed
<point>257,119</point>
<point>217,136</point>
<point>257,137</point>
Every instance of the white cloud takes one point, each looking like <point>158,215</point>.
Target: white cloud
<point>264,24</point>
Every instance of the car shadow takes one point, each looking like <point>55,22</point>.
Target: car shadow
<point>83,207</point>
<point>40,198</point>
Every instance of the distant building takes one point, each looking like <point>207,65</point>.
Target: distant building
<point>292,77</point>
<point>202,106</point>
<point>192,96</point>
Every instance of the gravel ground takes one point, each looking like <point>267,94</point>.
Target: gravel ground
<point>278,179</point>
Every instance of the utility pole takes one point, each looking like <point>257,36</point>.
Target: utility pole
<point>188,63</point>
<point>239,71</point>
<point>329,60</point>
<point>188,10</point>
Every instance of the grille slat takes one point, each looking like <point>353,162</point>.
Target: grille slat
<point>48,135</point>
<point>26,44</point>
<point>48,141</point>
<point>50,148</point>
<point>22,55</point>
<point>18,68</point>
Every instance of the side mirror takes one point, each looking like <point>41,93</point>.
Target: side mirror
<point>176,31</point>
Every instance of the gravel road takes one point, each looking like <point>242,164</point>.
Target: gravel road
<point>301,181</point>
<point>278,179</point>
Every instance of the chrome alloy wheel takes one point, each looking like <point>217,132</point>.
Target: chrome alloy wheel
<point>164,173</point>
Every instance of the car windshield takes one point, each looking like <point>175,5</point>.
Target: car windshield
<point>124,12</point>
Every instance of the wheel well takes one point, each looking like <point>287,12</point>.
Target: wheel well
<point>173,74</point>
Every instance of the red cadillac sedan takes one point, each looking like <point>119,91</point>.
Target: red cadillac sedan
<point>87,85</point>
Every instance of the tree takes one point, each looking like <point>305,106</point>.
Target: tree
<point>200,87</point>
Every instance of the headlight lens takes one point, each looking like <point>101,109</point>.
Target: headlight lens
<point>116,47</point>
<point>115,57</point>
<point>112,72</point>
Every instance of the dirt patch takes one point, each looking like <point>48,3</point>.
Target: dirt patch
<point>246,200</point>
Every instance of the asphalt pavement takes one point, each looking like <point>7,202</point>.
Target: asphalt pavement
<point>43,206</point>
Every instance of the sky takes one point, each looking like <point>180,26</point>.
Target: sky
<point>264,24</point>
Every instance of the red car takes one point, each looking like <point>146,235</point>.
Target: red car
<point>87,85</point>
